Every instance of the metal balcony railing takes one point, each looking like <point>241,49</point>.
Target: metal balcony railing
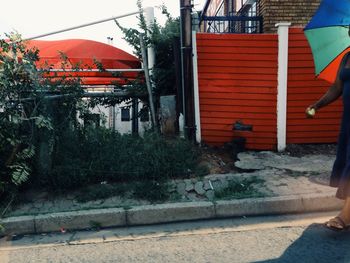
<point>232,24</point>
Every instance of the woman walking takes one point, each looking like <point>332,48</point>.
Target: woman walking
<point>340,176</point>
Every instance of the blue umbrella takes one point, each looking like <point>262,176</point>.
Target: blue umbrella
<point>328,36</point>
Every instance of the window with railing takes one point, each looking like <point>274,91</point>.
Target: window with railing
<point>250,10</point>
<point>243,20</point>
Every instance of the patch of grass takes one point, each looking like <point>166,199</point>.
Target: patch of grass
<point>241,188</point>
<point>174,197</point>
<point>144,190</point>
<point>152,191</point>
<point>101,191</point>
<point>95,225</point>
<point>126,207</point>
<point>294,174</point>
<point>201,170</point>
<point>314,173</point>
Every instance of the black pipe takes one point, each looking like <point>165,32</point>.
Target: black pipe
<point>187,67</point>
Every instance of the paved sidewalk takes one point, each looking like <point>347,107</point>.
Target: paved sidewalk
<point>292,185</point>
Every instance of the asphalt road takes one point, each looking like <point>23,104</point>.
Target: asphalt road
<point>298,238</point>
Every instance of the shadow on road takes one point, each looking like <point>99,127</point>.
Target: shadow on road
<point>317,244</point>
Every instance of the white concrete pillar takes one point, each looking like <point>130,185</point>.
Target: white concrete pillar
<point>196,88</point>
<point>283,33</point>
<point>149,17</point>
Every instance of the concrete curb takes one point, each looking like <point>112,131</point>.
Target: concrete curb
<point>79,220</point>
<point>166,213</point>
<point>18,225</point>
<point>155,214</point>
<point>277,205</point>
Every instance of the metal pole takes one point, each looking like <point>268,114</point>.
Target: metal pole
<point>186,48</point>
<point>135,117</point>
<point>149,17</point>
<point>94,70</point>
<point>113,117</point>
<point>83,25</point>
<point>88,70</point>
<point>148,81</point>
<point>85,95</point>
<point>183,117</point>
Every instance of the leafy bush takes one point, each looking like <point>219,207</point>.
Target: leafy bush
<point>29,125</point>
<point>93,155</point>
<point>20,95</point>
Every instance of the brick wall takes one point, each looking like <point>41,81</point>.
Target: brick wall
<point>298,12</point>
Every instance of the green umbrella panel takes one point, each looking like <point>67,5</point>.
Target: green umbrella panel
<point>327,43</point>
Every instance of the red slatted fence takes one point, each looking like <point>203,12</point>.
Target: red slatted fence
<point>237,82</point>
<point>237,75</point>
<point>303,90</point>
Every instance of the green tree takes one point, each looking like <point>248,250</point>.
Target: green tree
<point>161,38</point>
<point>25,93</point>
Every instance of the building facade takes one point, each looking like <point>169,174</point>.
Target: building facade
<point>298,12</point>
<point>255,16</point>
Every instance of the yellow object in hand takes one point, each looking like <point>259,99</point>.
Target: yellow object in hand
<point>311,112</point>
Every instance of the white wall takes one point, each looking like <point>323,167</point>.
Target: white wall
<point>124,127</point>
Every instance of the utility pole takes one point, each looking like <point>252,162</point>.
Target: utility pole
<point>187,69</point>
<point>148,81</point>
<point>151,57</point>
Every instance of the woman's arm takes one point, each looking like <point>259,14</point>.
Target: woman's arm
<point>333,93</point>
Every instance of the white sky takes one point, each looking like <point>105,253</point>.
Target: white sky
<point>35,17</point>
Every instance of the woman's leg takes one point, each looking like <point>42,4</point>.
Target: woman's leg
<point>343,219</point>
<point>345,212</point>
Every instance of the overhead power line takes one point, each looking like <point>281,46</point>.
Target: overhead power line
<point>83,25</point>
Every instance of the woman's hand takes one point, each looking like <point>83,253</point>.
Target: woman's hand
<point>310,112</point>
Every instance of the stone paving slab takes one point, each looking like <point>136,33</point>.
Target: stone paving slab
<point>267,159</point>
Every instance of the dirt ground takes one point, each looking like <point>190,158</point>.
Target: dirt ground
<point>299,150</point>
<point>221,160</point>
